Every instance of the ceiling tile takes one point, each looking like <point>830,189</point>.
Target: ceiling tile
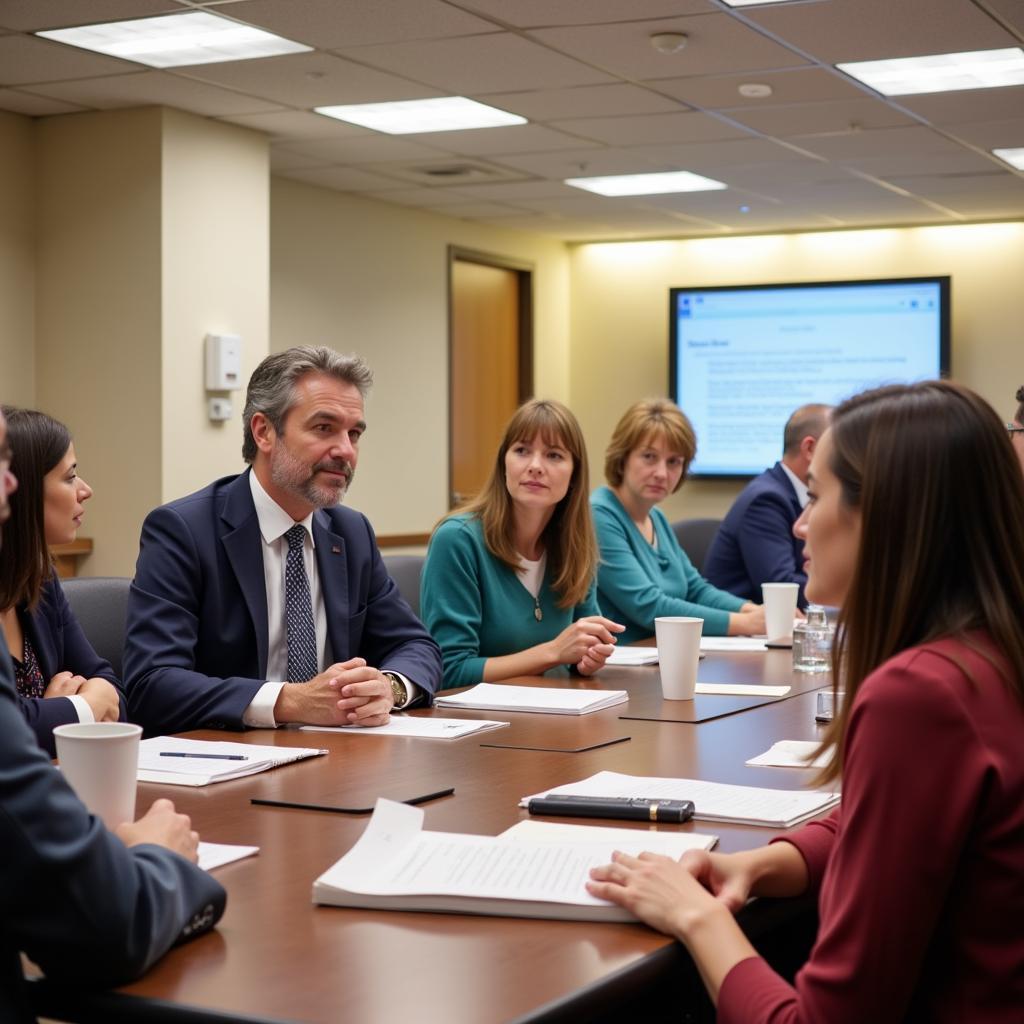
<point>522,138</point>
<point>424,198</point>
<point>330,24</point>
<point>703,156</point>
<point>798,85</point>
<point>34,15</point>
<point>310,80</point>
<point>480,64</point>
<point>943,108</point>
<point>281,161</point>
<point>945,187</point>
<point>33,106</point>
<point>362,149</point>
<point>158,88</point>
<point>443,171</point>
<point>887,142</point>
<point>849,30</point>
<point>298,124</point>
<point>988,206</point>
<point>518,191</point>
<point>717,43</point>
<point>344,179</point>
<point>577,163</point>
<point>25,60</point>
<point>473,211</point>
<point>583,101</point>
<point>964,162</point>
<point>1011,11</point>
<point>535,13</point>
<point>1006,134</point>
<point>652,129</point>
<point>815,118</point>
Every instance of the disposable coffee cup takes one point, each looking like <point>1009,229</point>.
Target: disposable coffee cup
<point>779,609</point>
<point>678,639</point>
<point>100,761</point>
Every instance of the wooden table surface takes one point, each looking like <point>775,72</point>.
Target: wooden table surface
<point>277,957</point>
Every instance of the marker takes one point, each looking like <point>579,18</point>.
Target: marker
<point>627,808</point>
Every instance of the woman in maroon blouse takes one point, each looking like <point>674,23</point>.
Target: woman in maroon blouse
<point>914,531</point>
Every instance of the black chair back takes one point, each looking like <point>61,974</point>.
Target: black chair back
<point>695,537</point>
<point>405,570</point>
<point>100,604</point>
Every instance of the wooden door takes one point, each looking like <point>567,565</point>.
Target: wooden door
<point>490,367</point>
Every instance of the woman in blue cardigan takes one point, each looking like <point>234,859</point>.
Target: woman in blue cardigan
<point>59,677</point>
<point>508,585</point>
<point>644,573</point>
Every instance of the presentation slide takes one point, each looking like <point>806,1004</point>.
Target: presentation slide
<point>746,358</point>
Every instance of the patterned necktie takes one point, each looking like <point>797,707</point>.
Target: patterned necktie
<point>298,611</point>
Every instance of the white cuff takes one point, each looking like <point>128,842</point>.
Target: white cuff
<point>83,708</point>
<point>260,713</point>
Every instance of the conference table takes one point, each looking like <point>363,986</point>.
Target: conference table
<point>276,957</point>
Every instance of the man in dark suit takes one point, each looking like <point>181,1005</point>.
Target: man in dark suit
<point>259,600</point>
<point>85,905</point>
<point>755,543</point>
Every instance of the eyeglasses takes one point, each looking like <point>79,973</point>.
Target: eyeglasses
<point>1014,428</point>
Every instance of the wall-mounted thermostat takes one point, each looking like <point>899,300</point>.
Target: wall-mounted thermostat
<point>223,362</point>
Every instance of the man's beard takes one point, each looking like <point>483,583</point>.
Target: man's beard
<point>293,476</point>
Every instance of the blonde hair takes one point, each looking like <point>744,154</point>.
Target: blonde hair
<point>652,417</point>
<point>569,538</point>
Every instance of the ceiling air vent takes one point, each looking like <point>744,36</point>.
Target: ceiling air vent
<point>460,172</point>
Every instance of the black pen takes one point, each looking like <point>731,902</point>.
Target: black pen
<point>204,757</point>
<point>627,808</point>
<point>295,805</point>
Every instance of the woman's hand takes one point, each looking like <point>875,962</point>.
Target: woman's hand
<point>64,684</point>
<point>575,641</point>
<point>162,825</point>
<point>103,698</point>
<point>748,621</point>
<point>594,659</point>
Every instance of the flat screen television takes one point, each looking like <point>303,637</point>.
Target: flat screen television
<point>741,359</point>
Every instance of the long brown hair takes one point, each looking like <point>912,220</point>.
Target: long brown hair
<point>568,538</point>
<point>932,473</point>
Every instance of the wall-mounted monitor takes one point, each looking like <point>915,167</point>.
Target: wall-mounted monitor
<point>741,359</point>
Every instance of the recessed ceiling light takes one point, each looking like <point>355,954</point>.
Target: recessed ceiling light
<point>646,184</point>
<point>1014,157</point>
<point>408,117</point>
<point>940,72</point>
<point>755,90</point>
<point>174,40</point>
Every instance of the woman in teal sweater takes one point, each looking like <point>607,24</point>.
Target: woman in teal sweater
<point>508,585</point>
<point>644,573</point>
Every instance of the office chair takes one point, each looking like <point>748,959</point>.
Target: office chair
<point>100,604</point>
<point>695,537</point>
<point>405,571</point>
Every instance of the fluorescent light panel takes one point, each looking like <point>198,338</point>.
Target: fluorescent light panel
<point>940,72</point>
<point>1014,157</point>
<point>646,184</point>
<point>175,40</point>
<point>410,117</point>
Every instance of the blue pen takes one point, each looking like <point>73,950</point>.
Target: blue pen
<point>205,757</point>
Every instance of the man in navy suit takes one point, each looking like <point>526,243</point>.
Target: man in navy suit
<point>90,908</point>
<point>259,600</point>
<point>755,543</point>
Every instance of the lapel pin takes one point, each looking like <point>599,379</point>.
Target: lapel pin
<point>335,550</point>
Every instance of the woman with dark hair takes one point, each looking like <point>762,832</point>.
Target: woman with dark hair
<point>59,677</point>
<point>508,584</point>
<point>644,572</point>
<point>1016,428</point>
<point>913,531</point>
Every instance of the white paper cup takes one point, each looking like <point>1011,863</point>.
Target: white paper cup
<point>779,609</point>
<point>100,760</point>
<point>678,640</point>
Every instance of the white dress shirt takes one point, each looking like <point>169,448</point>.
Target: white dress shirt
<point>798,485</point>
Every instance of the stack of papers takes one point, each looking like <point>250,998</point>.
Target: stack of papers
<point>216,855</point>
<point>633,656</point>
<point>545,700</point>
<point>792,754</point>
<point>712,801</point>
<point>423,728</point>
<point>181,762</point>
<point>396,865</point>
<point>733,643</point>
<point>628,840</point>
<point>741,689</point>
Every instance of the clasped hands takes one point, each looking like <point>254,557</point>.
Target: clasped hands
<point>346,693</point>
<point>587,644</point>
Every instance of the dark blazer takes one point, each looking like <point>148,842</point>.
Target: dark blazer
<point>196,649</point>
<point>755,543</point>
<point>60,646</point>
<point>83,906</point>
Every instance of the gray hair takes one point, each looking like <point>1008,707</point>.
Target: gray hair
<point>272,385</point>
<point>808,420</point>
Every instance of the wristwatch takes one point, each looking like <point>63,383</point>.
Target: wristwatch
<point>399,694</point>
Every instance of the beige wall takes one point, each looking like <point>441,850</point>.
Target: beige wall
<point>619,298</point>
<point>215,250</point>
<point>370,277</point>
<point>17,261</point>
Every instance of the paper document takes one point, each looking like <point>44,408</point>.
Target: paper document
<point>630,840</point>
<point>742,689</point>
<point>396,865</point>
<point>712,801</point>
<point>733,643</point>
<point>423,728</point>
<point>215,855</point>
<point>633,656</point>
<point>210,760</point>
<point>546,700</point>
<point>793,754</point>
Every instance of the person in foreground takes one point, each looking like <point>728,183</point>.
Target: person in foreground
<point>755,543</point>
<point>88,906</point>
<point>59,677</point>
<point>258,601</point>
<point>508,585</point>
<point>644,573</point>
<point>913,530</point>
<point>1016,428</point>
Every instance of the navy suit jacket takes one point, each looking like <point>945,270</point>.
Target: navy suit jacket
<point>60,646</point>
<point>755,543</point>
<point>196,648</point>
<point>84,907</point>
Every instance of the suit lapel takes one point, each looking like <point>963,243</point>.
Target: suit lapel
<point>243,546</point>
<point>332,568</point>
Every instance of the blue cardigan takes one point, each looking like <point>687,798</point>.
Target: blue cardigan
<point>637,582</point>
